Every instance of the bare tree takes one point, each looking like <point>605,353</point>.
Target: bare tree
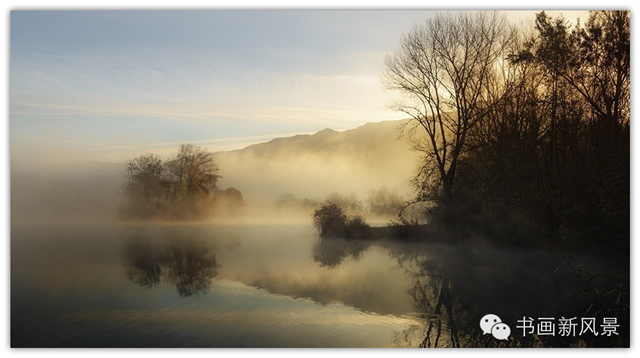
<point>446,69</point>
<point>193,172</point>
<point>143,185</point>
<point>182,187</point>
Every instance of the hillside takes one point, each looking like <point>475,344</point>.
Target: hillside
<point>315,165</point>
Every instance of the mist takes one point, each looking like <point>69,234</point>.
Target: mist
<point>69,192</point>
<point>304,169</point>
<point>313,167</point>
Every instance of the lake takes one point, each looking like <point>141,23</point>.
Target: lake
<point>204,285</point>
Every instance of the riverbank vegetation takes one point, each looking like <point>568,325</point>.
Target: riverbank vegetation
<point>522,132</point>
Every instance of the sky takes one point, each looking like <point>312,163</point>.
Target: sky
<point>109,85</point>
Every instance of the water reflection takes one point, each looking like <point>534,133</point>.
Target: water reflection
<point>271,286</point>
<point>121,286</point>
<point>445,321</point>
<point>190,266</point>
<point>331,252</point>
<point>453,286</point>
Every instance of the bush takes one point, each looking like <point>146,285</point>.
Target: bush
<point>357,228</point>
<point>331,221</point>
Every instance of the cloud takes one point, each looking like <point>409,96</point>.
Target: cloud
<point>194,88</point>
<point>69,141</point>
<point>120,83</point>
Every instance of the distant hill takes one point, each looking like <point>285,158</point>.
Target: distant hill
<point>313,166</point>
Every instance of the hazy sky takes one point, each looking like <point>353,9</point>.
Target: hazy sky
<point>108,85</point>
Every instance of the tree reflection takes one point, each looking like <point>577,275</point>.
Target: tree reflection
<point>331,252</point>
<point>144,265</point>
<point>190,266</point>
<point>453,286</point>
<point>433,299</point>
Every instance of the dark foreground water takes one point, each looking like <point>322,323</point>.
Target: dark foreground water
<point>134,285</point>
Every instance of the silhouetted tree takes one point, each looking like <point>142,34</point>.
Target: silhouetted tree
<point>143,187</point>
<point>330,220</point>
<point>446,68</point>
<point>532,125</point>
<point>557,149</point>
<point>192,176</point>
<point>182,187</point>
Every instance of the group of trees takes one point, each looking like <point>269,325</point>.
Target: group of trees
<point>384,202</point>
<point>182,187</point>
<point>528,126</point>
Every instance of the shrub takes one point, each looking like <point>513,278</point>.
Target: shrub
<point>357,228</point>
<point>331,221</point>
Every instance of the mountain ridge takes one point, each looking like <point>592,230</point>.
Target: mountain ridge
<point>354,160</point>
<point>326,132</point>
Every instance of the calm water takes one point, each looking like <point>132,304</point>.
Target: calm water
<point>273,286</point>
